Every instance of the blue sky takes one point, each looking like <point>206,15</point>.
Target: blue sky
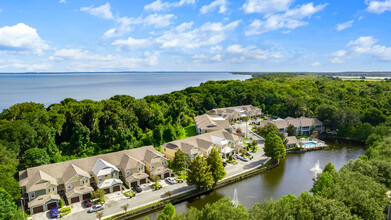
<point>191,35</point>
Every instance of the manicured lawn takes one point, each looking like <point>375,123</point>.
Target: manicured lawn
<point>189,131</point>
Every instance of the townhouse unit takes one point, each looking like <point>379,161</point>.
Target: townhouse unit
<point>237,112</point>
<point>207,123</point>
<point>225,142</point>
<point>73,181</point>
<point>303,125</point>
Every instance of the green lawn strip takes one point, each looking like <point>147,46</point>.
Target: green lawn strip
<point>189,131</point>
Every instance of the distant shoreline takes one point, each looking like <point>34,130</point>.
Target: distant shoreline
<point>347,74</point>
<point>118,72</point>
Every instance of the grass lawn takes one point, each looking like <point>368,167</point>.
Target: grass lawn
<point>189,131</point>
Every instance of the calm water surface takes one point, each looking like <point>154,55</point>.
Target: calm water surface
<point>293,176</point>
<point>48,88</point>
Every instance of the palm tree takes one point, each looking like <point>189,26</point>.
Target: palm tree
<point>245,119</point>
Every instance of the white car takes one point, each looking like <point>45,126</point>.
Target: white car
<point>95,208</point>
<point>171,180</point>
<point>245,159</point>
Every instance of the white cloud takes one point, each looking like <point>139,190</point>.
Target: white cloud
<point>30,67</point>
<point>160,5</point>
<point>184,37</point>
<point>344,25</point>
<point>378,7</point>
<point>124,24</point>
<point>315,64</point>
<point>363,46</point>
<point>84,60</point>
<point>69,54</point>
<point>103,11</point>
<point>217,57</point>
<point>200,57</point>
<point>251,52</point>
<point>220,4</point>
<point>21,37</point>
<point>266,6</point>
<point>159,21</point>
<point>1,10</point>
<point>290,19</point>
<point>62,1</point>
<point>131,43</point>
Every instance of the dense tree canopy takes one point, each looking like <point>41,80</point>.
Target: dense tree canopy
<point>274,147</point>
<point>357,110</point>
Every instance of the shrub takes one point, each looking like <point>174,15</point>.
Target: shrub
<point>156,186</point>
<point>92,195</point>
<point>130,193</point>
<point>65,211</point>
<point>102,200</point>
<point>61,203</point>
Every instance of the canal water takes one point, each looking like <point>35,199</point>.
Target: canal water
<point>293,175</point>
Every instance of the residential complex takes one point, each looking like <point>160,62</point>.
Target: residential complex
<point>237,112</point>
<point>74,180</point>
<point>225,142</point>
<point>303,125</point>
<point>207,123</point>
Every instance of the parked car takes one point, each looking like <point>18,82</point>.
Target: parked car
<point>248,154</point>
<point>96,208</point>
<point>54,213</point>
<point>245,159</point>
<point>87,203</point>
<point>225,164</point>
<point>137,189</point>
<point>171,180</point>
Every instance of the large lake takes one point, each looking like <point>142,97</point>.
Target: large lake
<point>48,88</point>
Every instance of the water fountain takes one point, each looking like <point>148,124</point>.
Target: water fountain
<point>316,170</point>
<point>235,201</point>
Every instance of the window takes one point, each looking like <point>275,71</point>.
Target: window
<point>164,163</point>
<point>32,195</point>
<point>164,149</point>
<point>152,166</point>
<point>69,186</point>
<point>85,181</point>
<point>100,179</point>
<point>51,189</point>
<point>127,172</point>
<point>140,168</point>
<point>114,173</point>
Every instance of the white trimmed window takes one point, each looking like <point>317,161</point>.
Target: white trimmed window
<point>100,179</point>
<point>140,168</point>
<point>127,172</point>
<point>69,186</point>
<point>85,181</point>
<point>114,174</point>
<point>51,189</point>
<point>164,163</point>
<point>32,195</point>
<point>152,166</point>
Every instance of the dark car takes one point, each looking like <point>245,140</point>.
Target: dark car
<point>225,164</point>
<point>54,213</point>
<point>87,203</point>
<point>137,189</point>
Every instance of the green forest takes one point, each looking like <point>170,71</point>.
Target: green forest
<point>32,135</point>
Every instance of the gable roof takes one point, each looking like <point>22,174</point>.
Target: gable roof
<point>71,171</point>
<point>40,180</point>
<point>54,173</point>
<point>206,121</point>
<point>129,162</point>
<point>101,165</point>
